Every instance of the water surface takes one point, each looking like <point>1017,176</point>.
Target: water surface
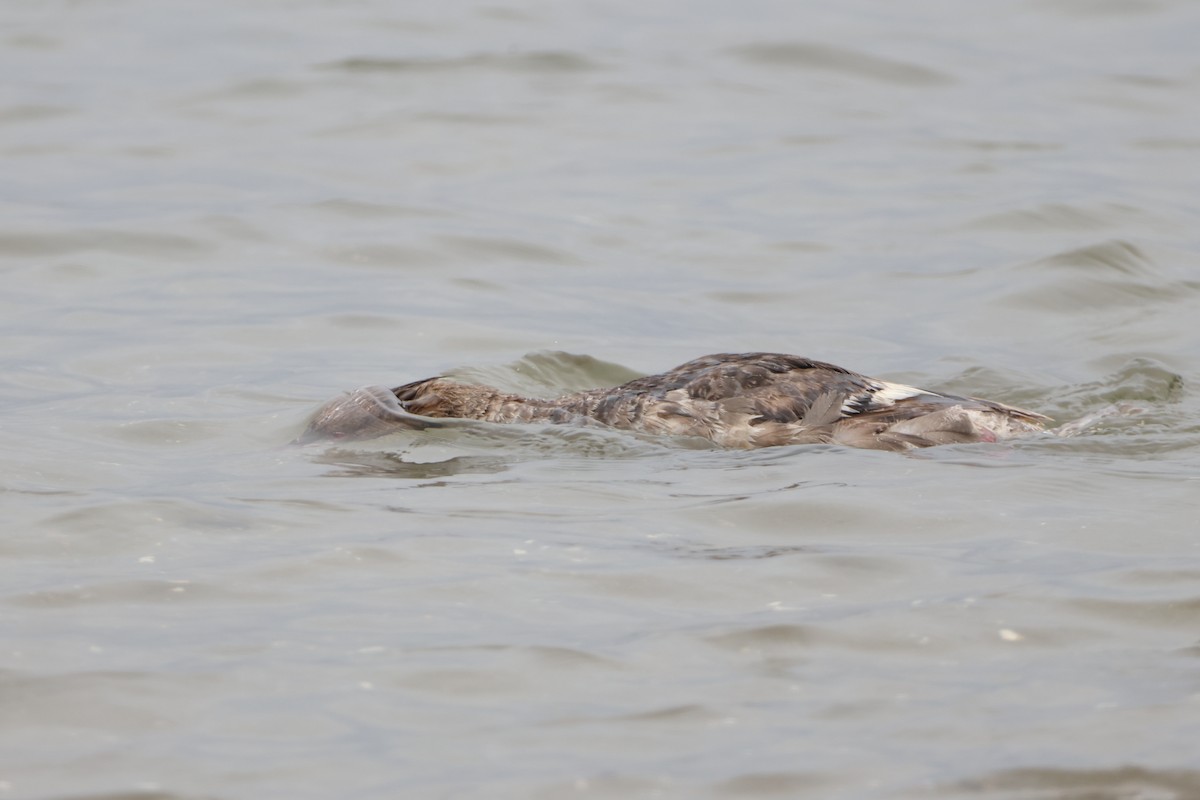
<point>217,216</point>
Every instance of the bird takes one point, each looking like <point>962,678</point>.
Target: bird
<point>734,400</point>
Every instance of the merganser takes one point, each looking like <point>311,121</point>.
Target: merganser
<point>742,400</point>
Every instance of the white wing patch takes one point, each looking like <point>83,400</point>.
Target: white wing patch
<point>880,394</point>
<point>888,393</point>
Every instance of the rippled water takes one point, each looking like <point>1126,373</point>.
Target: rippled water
<point>216,216</point>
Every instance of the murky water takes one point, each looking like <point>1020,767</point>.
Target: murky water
<point>218,215</point>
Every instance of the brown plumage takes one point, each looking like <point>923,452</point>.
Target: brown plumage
<point>742,400</point>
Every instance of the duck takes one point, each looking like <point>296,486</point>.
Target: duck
<point>734,400</point>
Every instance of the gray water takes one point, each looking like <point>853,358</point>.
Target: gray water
<point>216,216</point>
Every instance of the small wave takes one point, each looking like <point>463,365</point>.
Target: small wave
<point>813,56</point>
<point>141,592</point>
<point>1095,784</point>
<point>1055,217</point>
<point>474,447</point>
<point>1113,257</point>
<point>342,207</point>
<point>384,255</point>
<point>740,553</point>
<point>549,371</point>
<point>794,639</point>
<point>32,112</point>
<point>136,795</point>
<point>546,61</point>
<point>1110,274</point>
<point>387,464</point>
<point>131,243</point>
<point>776,784</point>
<point>1139,380</point>
<point>514,249</point>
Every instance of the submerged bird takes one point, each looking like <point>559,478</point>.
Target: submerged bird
<point>744,400</point>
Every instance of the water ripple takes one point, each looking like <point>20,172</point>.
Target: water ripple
<point>1121,783</point>
<point>548,62</point>
<point>852,63</point>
